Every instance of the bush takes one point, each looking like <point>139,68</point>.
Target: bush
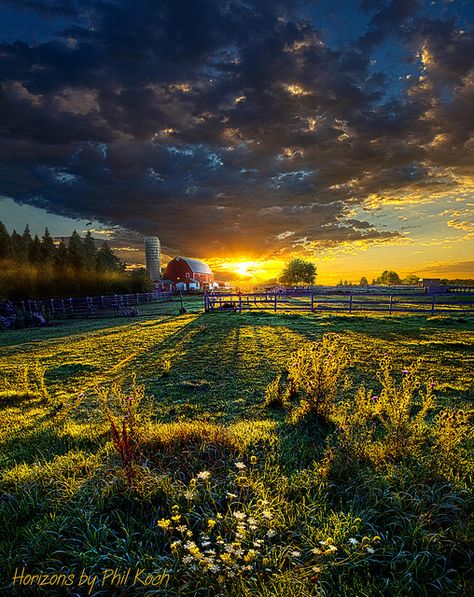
<point>316,375</point>
<point>276,394</point>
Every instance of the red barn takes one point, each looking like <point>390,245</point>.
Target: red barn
<point>189,274</point>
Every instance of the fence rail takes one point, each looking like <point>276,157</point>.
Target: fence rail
<point>351,302</point>
<point>92,306</point>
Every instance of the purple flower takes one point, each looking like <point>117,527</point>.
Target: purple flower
<point>374,398</point>
<point>405,371</point>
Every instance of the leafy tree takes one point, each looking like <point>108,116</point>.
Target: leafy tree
<point>5,243</point>
<point>106,261</point>
<point>411,279</point>
<point>298,271</point>
<point>389,278</point>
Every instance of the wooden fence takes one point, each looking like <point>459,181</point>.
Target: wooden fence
<point>351,302</point>
<point>92,306</point>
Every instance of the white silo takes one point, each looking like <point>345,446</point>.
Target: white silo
<point>153,257</point>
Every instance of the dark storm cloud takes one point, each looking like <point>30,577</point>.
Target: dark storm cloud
<point>229,125</point>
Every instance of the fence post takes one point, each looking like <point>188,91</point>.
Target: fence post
<point>205,301</point>
<point>391,305</point>
<point>350,303</point>
<point>240,303</point>
<point>432,304</point>
<point>312,302</point>
<point>275,305</point>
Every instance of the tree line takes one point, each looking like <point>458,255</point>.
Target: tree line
<point>34,267</point>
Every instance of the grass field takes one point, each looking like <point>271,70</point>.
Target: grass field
<point>195,486</point>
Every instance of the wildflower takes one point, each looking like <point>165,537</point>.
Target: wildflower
<point>214,568</point>
<point>370,550</point>
<point>241,481</point>
<point>267,514</point>
<point>189,495</point>
<point>374,398</point>
<point>251,520</point>
<point>175,545</point>
<point>204,475</point>
<point>253,460</point>
<point>353,541</point>
<point>404,371</point>
<point>176,518</point>
<point>164,523</point>
<point>240,515</point>
<point>187,559</point>
<point>376,538</point>
<point>271,533</point>
<point>331,548</point>
<point>323,543</point>
<point>295,553</point>
<point>226,558</point>
<point>240,466</point>
<point>251,554</point>
<point>232,495</point>
<point>316,551</point>
<point>211,523</point>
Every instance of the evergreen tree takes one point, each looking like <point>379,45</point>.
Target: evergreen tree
<point>76,250</point>
<point>90,252</point>
<point>19,249</point>
<point>61,257</point>
<point>47,247</point>
<point>5,243</point>
<point>27,240</point>
<point>35,252</point>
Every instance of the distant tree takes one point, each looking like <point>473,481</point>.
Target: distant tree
<point>411,279</point>
<point>106,261</point>
<point>298,271</point>
<point>389,278</point>
<point>340,282</point>
<point>363,281</point>
<point>373,282</point>
<point>61,258</point>
<point>5,243</point>
<point>90,252</point>
<point>35,252</point>
<point>19,248</point>
<point>75,249</point>
<point>140,281</point>
<point>27,238</point>
<point>47,247</point>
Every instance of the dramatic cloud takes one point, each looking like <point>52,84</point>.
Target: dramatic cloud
<point>234,126</point>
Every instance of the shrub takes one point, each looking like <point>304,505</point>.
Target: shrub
<point>386,426</point>
<point>316,374</point>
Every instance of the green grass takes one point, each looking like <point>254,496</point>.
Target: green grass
<point>66,505</point>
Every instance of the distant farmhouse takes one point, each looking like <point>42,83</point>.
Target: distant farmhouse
<point>189,274</point>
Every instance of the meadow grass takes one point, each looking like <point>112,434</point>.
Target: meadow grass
<point>212,491</point>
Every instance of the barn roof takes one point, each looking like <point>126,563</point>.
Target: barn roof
<point>197,266</point>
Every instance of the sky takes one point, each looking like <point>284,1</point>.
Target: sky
<point>245,132</point>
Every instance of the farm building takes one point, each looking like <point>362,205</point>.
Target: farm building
<point>189,274</point>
